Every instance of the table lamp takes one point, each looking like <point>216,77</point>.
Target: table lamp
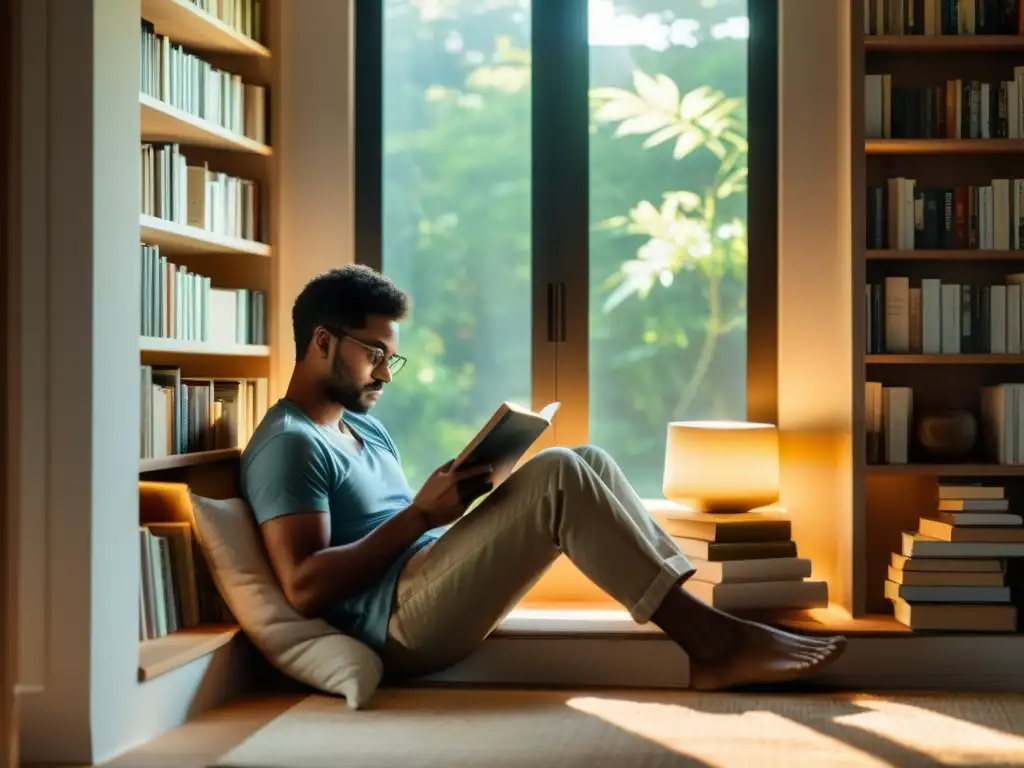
<point>722,466</point>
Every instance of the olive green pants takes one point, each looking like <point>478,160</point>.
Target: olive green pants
<point>577,502</point>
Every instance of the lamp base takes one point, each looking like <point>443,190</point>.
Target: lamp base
<point>723,506</point>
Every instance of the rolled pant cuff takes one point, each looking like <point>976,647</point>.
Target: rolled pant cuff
<point>673,571</point>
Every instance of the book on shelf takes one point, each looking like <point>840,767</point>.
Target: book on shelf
<point>243,16</point>
<point>183,80</point>
<point>954,109</point>
<point>903,215</point>
<point>888,416</point>
<point>932,317</point>
<point>195,196</point>
<point>179,304</point>
<point>950,574</point>
<point>942,17</point>
<point>176,589</point>
<point>186,414</point>
<point>745,562</point>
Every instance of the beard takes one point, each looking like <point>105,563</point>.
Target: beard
<point>343,389</point>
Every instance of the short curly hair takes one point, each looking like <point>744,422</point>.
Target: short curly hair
<point>343,298</point>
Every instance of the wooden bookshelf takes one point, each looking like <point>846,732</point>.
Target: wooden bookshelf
<point>943,43</point>
<point>950,255</point>
<point>943,146</point>
<point>160,656</point>
<point>891,498</point>
<point>178,239</point>
<point>163,123</point>
<point>948,470</point>
<point>185,24</point>
<point>960,359</point>
<point>188,460</point>
<point>178,346</point>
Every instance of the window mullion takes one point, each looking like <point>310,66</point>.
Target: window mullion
<point>560,212</point>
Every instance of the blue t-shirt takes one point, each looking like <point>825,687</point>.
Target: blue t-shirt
<point>292,464</point>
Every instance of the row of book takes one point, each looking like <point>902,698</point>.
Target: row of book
<point>957,109</point>
<point>904,216</point>
<point>182,414</point>
<point>243,16</point>
<point>951,574</point>
<point>186,82</point>
<point>196,196</point>
<point>176,591</point>
<point>932,317</point>
<point>745,562</point>
<point>942,17</point>
<point>889,422</point>
<point>183,305</point>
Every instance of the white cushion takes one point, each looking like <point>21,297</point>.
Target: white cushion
<point>308,650</point>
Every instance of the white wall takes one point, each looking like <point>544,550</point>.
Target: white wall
<point>92,176</point>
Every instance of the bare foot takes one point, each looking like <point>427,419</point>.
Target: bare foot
<point>761,654</point>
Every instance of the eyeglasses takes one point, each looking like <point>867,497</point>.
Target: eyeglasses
<point>374,355</point>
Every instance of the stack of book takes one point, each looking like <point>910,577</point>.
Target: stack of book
<point>745,562</point>
<point>951,572</point>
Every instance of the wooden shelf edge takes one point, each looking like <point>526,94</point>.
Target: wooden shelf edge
<point>941,470</point>
<point>188,459</point>
<point>156,344</point>
<point>942,146</point>
<point>950,255</point>
<point>181,238</point>
<point>164,654</point>
<point>937,43</point>
<point>162,122</point>
<point>186,24</point>
<point>958,359</point>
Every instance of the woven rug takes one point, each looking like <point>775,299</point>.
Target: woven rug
<point>455,728</point>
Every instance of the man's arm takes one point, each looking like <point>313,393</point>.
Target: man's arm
<point>288,485</point>
<point>313,574</point>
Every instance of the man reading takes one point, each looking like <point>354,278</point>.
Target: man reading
<point>404,570</point>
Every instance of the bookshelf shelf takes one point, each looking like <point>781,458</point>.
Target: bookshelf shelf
<point>155,344</point>
<point>943,146</point>
<point>944,359</point>
<point>160,656</point>
<point>175,239</point>
<point>188,460</point>
<point>186,24</point>
<point>943,43</point>
<point>163,123</point>
<point>948,255</point>
<point>948,470</point>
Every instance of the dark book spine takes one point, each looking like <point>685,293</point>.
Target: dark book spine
<point>966,318</point>
<point>948,230</point>
<point>932,221</point>
<point>973,219</point>
<point>960,217</point>
<point>876,217</point>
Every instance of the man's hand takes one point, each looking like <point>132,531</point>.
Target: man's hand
<point>443,499</point>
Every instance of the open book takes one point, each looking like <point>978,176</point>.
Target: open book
<point>505,438</point>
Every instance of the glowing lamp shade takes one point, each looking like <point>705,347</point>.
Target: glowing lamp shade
<point>722,466</point>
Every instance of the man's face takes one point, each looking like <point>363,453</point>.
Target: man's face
<point>353,381</point>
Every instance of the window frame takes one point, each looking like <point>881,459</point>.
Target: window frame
<point>560,218</point>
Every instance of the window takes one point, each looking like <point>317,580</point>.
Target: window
<point>580,197</point>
